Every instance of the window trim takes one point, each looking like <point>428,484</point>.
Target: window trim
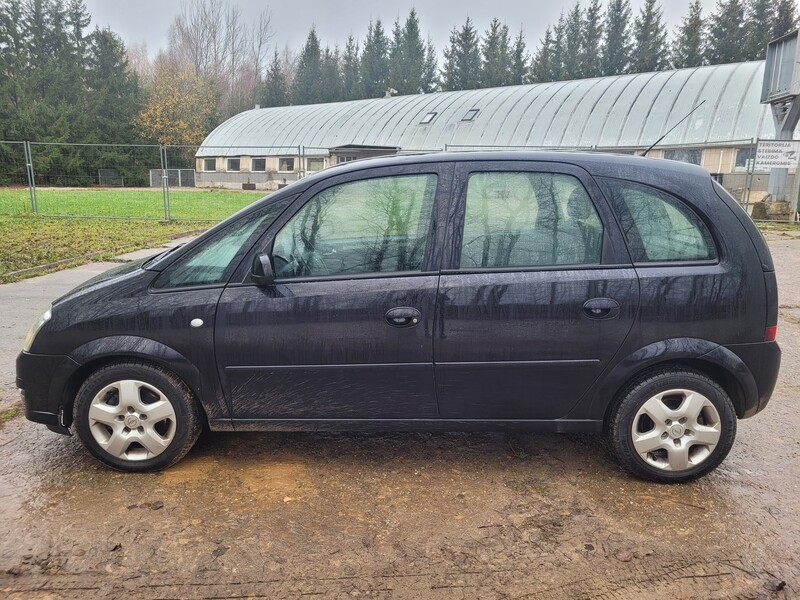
<point>205,165</point>
<point>253,159</point>
<point>470,115</point>
<point>292,158</point>
<point>228,162</point>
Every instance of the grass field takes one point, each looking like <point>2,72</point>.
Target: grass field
<point>213,205</point>
<point>31,241</point>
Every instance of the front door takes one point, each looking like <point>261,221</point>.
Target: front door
<point>345,331</point>
<point>538,296</point>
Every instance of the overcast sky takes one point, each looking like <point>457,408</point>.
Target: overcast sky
<point>147,21</point>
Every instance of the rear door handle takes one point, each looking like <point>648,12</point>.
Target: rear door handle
<point>601,308</point>
<point>402,316</point>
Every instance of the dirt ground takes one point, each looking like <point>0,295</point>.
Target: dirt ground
<point>409,515</point>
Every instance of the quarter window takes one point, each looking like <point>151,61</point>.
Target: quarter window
<point>214,261</point>
<point>372,226</point>
<point>658,227</point>
<point>529,220</point>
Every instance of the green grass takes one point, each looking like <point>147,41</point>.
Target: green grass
<point>8,415</point>
<point>213,205</point>
<point>35,242</point>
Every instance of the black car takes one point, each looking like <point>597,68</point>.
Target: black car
<point>479,291</point>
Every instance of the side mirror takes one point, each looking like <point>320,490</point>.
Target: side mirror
<point>262,272</point>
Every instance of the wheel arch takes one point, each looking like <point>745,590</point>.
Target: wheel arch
<point>712,360</point>
<point>99,353</point>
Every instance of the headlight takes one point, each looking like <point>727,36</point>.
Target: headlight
<point>43,318</point>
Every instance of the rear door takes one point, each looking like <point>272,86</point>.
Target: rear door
<point>538,294</point>
<point>345,331</point>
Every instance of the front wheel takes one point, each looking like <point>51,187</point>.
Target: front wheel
<point>134,416</point>
<point>673,426</point>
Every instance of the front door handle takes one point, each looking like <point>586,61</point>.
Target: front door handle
<point>402,316</point>
<point>601,308</point>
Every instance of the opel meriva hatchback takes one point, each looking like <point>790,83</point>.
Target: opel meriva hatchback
<point>535,291</point>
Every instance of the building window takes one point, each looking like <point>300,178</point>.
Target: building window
<point>286,164</point>
<point>345,159</point>
<point>259,165</point>
<point>209,165</point>
<point>315,164</point>
<point>694,157</point>
<point>428,118</point>
<point>233,164</point>
<point>471,114</point>
<point>745,158</point>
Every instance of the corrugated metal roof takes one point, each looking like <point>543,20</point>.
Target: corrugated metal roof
<point>607,112</point>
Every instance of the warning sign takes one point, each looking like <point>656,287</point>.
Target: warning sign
<point>777,154</point>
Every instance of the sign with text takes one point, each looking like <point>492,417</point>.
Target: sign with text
<point>777,154</point>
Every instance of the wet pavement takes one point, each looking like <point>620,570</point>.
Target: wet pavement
<point>287,515</point>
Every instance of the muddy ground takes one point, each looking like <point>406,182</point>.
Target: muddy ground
<point>407,515</point>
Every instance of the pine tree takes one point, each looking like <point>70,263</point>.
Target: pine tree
<point>725,33</point>
<point>351,81</point>
<point>541,70</point>
<point>496,56</point>
<point>785,18</point>
<point>430,70</point>
<point>115,94</point>
<point>557,57</point>
<point>573,43</point>
<point>520,70</point>
<point>616,48</point>
<point>13,59</point>
<point>592,33</point>
<point>375,62</point>
<point>331,76</point>
<point>306,87</point>
<point>275,88</point>
<point>406,56</point>
<point>759,19</point>
<point>650,38</point>
<point>462,60</point>
<point>688,50</point>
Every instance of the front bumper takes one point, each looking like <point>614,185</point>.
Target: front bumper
<point>42,380</point>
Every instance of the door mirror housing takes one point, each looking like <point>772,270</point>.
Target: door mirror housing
<point>262,273</point>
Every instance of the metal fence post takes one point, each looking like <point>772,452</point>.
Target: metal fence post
<point>31,177</point>
<point>165,182</point>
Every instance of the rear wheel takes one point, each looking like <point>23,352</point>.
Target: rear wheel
<point>134,416</point>
<point>672,426</point>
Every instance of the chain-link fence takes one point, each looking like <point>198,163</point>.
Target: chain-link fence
<point>209,183</point>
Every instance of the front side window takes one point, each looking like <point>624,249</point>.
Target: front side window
<point>371,226</point>
<point>658,227</point>
<point>529,220</point>
<point>214,261</point>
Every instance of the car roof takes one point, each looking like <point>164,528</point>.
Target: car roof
<point>597,163</point>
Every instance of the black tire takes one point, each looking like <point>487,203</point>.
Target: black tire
<point>182,430</point>
<point>632,400</point>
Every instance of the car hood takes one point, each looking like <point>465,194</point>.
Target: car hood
<point>104,278</point>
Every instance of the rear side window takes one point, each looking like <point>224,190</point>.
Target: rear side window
<point>657,226</point>
<point>523,219</point>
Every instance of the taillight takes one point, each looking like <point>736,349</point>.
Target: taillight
<point>770,333</point>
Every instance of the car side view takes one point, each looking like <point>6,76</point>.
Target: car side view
<point>565,292</point>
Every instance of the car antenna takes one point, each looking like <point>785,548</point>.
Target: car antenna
<point>673,127</point>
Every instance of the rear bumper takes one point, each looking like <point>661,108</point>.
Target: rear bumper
<point>763,361</point>
<point>42,380</point>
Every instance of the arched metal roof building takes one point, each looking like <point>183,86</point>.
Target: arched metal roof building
<point>626,111</point>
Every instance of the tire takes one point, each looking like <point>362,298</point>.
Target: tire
<point>672,426</point>
<point>111,416</point>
